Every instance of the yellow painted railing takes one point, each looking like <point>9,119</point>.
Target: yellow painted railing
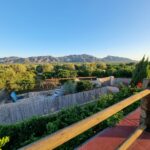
<point>64,135</point>
<point>132,138</point>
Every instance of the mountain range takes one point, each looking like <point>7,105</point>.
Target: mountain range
<point>69,58</point>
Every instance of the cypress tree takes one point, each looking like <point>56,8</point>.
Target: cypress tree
<point>142,70</point>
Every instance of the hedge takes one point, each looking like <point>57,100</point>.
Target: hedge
<point>33,129</point>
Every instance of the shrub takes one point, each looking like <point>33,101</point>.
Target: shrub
<point>3,141</point>
<point>84,86</point>
<point>69,87</point>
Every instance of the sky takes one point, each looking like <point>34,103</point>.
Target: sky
<point>64,27</point>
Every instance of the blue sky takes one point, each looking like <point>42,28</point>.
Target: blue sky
<point>63,27</point>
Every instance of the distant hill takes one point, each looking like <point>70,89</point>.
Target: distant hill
<point>79,58</point>
<point>116,59</point>
<point>69,58</point>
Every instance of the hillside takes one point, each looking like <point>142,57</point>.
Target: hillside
<point>69,58</point>
<point>79,58</point>
<point>116,59</point>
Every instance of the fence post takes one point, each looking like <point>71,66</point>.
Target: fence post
<point>112,79</point>
<point>145,106</point>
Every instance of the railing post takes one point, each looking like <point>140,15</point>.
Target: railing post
<point>145,106</point>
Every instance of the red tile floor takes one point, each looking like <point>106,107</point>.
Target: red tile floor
<point>111,138</point>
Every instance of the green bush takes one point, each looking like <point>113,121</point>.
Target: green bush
<point>3,141</point>
<point>33,129</point>
<point>69,87</point>
<point>84,86</point>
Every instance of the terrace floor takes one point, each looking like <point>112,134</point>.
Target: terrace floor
<point>111,138</point>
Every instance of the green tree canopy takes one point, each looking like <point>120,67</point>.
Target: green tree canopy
<point>39,69</point>
<point>142,70</point>
<point>47,67</point>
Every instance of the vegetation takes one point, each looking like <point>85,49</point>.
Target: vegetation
<point>69,87</point>
<point>142,70</point>
<point>27,77</point>
<point>3,141</point>
<point>28,131</point>
<point>18,77</point>
<point>84,86</point>
<point>39,69</point>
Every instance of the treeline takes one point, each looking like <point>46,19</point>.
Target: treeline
<point>22,77</point>
<point>86,70</point>
<point>17,76</point>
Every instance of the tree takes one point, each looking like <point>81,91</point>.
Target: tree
<point>19,68</point>
<point>84,70</point>
<point>63,74</point>
<point>39,69</point>
<point>68,66</point>
<point>142,70</point>
<point>99,73</point>
<point>73,73</point>
<point>47,67</point>
<point>57,68</point>
<point>102,66</point>
<point>66,74</point>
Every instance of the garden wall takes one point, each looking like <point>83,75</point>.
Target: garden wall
<point>41,105</point>
<point>39,93</point>
<point>125,81</point>
<point>104,81</point>
<point>112,81</point>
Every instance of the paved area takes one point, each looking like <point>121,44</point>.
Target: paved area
<point>111,138</point>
